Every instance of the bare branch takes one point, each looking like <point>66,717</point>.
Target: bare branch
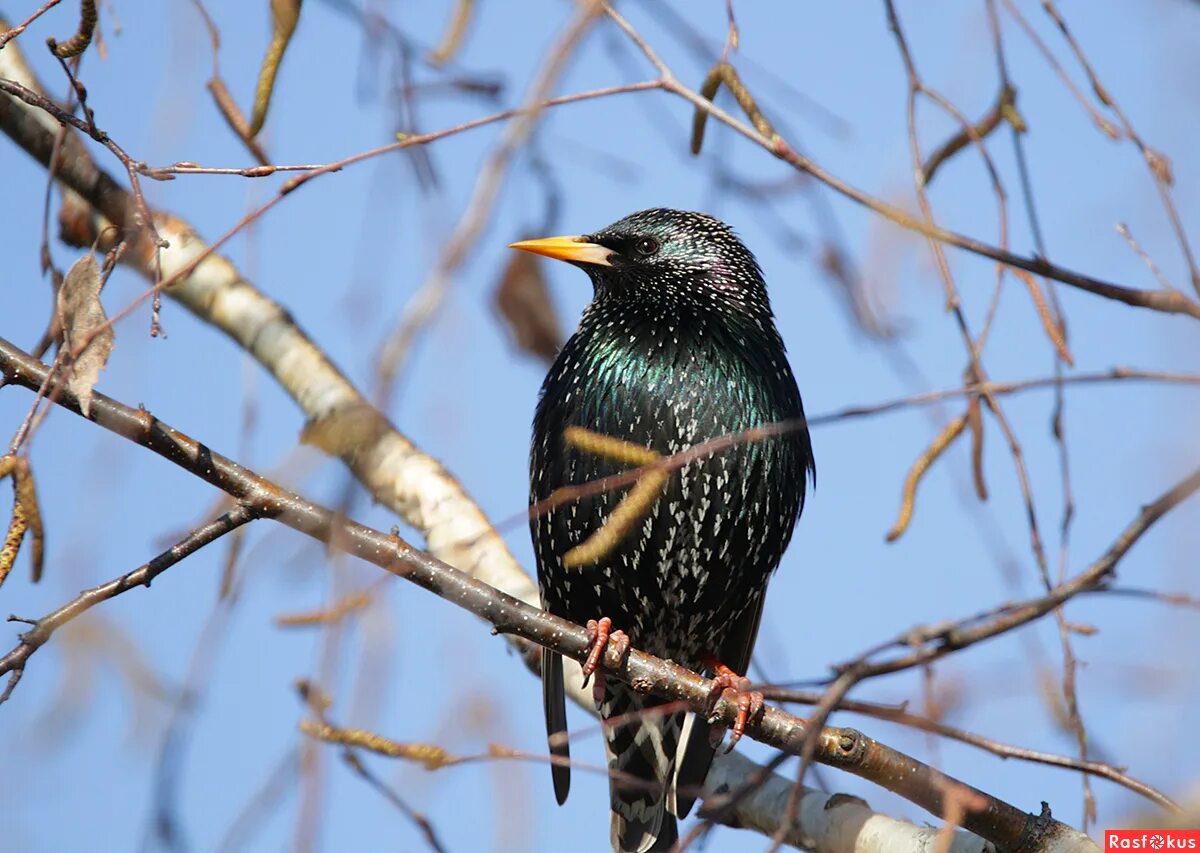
<point>846,749</point>
<point>1170,302</point>
<point>14,662</point>
<point>930,642</point>
<point>8,35</point>
<point>429,297</point>
<point>898,714</point>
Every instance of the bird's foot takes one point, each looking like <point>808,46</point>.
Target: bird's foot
<point>599,632</point>
<point>750,702</point>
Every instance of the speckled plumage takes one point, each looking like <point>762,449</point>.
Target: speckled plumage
<point>678,346</point>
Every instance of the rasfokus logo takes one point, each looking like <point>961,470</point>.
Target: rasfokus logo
<point>1151,839</point>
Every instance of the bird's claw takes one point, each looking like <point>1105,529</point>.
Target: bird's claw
<point>750,702</point>
<point>599,632</point>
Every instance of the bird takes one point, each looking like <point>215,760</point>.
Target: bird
<point>678,346</point>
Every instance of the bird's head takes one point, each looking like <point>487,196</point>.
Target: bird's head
<point>667,257</point>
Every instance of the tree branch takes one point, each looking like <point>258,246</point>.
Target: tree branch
<point>396,473</point>
<point>927,643</point>
<point>430,296</point>
<point>1166,301</point>
<point>847,749</point>
<point>900,714</point>
<point>14,662</point>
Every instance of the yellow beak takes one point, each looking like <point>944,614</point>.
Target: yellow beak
<point>575,250</point>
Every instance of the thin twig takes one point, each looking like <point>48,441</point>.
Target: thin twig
<point>1159,166</point>
<point>930,642</point>
<point>14,662</point>
<point>899,714</point>
<point>79,42</point>
<point>1170,303</point>
<point>9,35</point>
<point>429,298</point>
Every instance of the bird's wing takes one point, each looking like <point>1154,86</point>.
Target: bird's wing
<point>695,748</point>
<point>555,704</point>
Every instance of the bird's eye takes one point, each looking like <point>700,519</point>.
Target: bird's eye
<point>646,246</point>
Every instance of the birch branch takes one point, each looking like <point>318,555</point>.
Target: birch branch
<point>846,749</point>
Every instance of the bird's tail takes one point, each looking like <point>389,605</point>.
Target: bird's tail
<point>641,748</point>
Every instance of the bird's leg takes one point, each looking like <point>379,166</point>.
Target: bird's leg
<point>750,702</point>
<point>599,632</point>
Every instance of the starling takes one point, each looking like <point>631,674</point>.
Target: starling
<point>678,346</point>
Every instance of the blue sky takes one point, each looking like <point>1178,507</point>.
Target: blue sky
<point>81,734</point>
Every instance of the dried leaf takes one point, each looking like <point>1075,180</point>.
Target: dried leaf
<point>285,14</point>
<point>456,30</point>
<point>975,424</point>
<point>431,755</point>
<point>26,503</point>
<point>634,507</point>
<point>79,42</point>
<point>1160,165</point>
<point>523,300</point>
<point>344,431</point>
<point>317,699</point>
<point>335,613</point>
<point>88,336</point>
<point>1054,330</point>
<point>724,73</point>
<point>12,541</point>
<point>232,114</point>
<point>618,449</point>
<point>943,440</point>
<point>1005,109</point>
<point>1050,687</point>
<point>17,526</point>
